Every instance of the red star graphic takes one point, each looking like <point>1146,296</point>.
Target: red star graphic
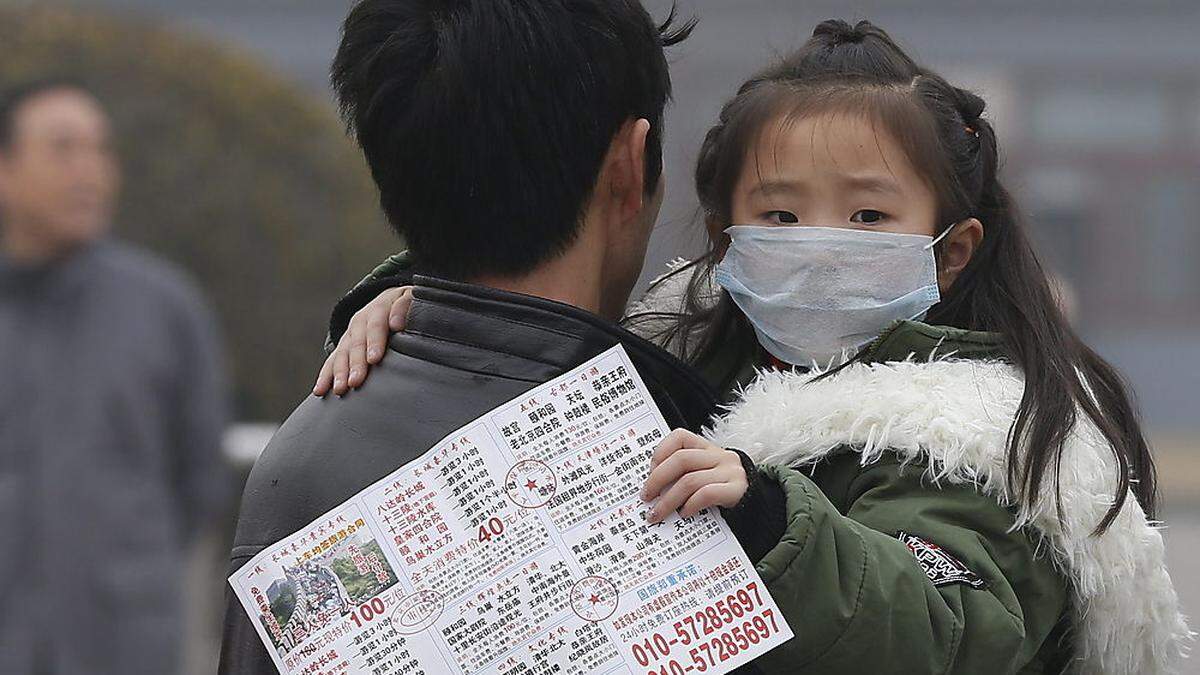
<point>594,599</point>
<point>531,484</point>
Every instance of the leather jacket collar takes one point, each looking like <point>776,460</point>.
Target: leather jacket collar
<point>466,326</point>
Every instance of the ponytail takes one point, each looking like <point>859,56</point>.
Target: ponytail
<point>1005,289</point>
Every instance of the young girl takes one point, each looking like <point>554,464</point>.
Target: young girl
<point>947,478</point>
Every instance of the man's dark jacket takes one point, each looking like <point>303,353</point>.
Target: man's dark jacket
<point>465,350</point>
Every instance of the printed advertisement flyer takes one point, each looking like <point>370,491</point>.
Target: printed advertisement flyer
<point>518,544</point>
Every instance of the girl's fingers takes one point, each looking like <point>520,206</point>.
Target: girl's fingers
<point>364,343</point>
<point>674,467</point>
<point>374,320</point>
<point>676,440</point>
<point>713,494</point>
<point>681,491</point>
<point>398,316</point>
<point>356,349</point>
<point>376,339</point>
<point>341,367</point>
<point>358,363</point>
<point>324,378</point>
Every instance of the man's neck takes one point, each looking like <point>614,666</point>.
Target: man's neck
<point>574,278</point>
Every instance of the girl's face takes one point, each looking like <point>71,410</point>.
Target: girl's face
<point>832,170</point>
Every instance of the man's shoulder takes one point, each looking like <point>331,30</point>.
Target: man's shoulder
<point>331,448</point>
<point>324,453</point>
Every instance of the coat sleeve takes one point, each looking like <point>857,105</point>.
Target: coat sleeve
<point>858,599</point>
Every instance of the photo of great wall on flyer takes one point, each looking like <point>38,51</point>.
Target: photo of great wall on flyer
<point>320,584</point>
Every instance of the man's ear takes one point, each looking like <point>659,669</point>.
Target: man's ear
<point>957,249</point>
<point>626,168</point>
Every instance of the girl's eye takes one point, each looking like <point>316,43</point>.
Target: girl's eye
<point>782,217</point>
<point>868,217</point>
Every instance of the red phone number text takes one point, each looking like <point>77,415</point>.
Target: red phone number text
<point>711,635</point>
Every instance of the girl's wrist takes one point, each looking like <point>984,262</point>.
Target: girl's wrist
<point>760,518</point>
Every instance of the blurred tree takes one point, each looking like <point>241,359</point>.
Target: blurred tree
<point>232,172</point>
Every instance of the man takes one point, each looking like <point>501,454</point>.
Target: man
<point>111,413</point>
<point>517,147</point>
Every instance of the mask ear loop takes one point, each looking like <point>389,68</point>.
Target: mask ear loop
<point>941,236</point>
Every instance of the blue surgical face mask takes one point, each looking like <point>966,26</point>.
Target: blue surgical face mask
<point>816,295</point>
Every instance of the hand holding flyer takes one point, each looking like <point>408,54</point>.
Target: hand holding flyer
<point>517,544</point>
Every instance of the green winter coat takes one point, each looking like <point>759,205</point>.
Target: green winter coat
<point>856,596</point>
<point>905,550</point>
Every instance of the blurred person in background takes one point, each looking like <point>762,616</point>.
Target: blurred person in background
<point>112,410</point>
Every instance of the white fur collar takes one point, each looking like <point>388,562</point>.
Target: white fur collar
<point>956,415</point>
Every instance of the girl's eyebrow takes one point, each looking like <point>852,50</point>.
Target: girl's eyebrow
<point>872,183</point>
<point>768,187</point>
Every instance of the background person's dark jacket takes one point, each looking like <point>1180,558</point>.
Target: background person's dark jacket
<point>111,417</point>
<point>466,350</point>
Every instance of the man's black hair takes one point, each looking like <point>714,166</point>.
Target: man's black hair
<point>485,122</point>
<point>12,97</point>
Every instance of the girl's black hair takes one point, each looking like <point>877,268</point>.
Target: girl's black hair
<point>860,70</point>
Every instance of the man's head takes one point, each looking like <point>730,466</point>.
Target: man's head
<point>496,129</point>
<point>58,172</point>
